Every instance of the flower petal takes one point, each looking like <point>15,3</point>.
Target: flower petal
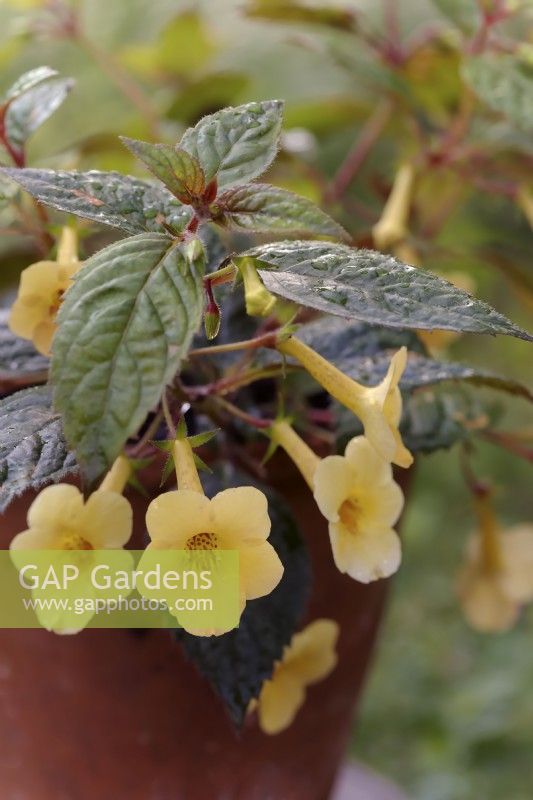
<point>311,654</point>
<point>366,555</point>
<point>378,431</point>
<point>56,508</point>
<point>486,607</point>
<point>43,334</point>
<point>367,462</point>
<point>380,505</point>
<point>260,570</point>
<point>174,517</point>
<point>34,539</point>
<point>280,700</point>
<point>239,516</point>
<point>333,483</point>
<point>108,520</point>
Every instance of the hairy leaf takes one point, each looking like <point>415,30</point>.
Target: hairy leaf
<point>177,169</point>
<point>373,287</point>
<point>28,112</point>
<point>28,80</point>
<point>124,327</point>
<point>109,198</point>
<point>33,450</point>
<point>236,145</point>
<point>505,84</point>
<point>20,362</point>
<point>263,208</point>
<point>237,663</point>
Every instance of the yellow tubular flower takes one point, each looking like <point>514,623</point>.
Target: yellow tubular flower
<point>392,225</point>
<point>378,407</point>
<point>259,301</point>
<point>41,289</point>
<point>359,498</point>
<point>497,577</point>
<point>309,658</point>
<point>235,519</point>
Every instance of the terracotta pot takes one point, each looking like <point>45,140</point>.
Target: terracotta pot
<point>121,714</point>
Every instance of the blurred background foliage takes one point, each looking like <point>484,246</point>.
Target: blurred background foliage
<point>446,85</point>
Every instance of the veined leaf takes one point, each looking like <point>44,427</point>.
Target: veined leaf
<point>177,169</point>
<point>236,145</point>
<point>28,80</point>
<point>237,663</point>
<point>292,11</point>
<point>20,363</point>
<point>263,208</point>
<point>27,112</point>
<point>124,327</point>
<point>109,198</point>
<point>33,450</point>
<point>374,288</point>
<point>505,84</point>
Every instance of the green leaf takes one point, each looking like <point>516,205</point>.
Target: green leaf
<point>236,145</point>
<point>363,352</point>
<point>33,450</point>
<point>28,80</point>
<point>124,327</point>
<point>292,11</point>
<point>180,172</point>
<point>504,84</point>
<point>263,208</point>
<point>20,363</point>
<point>28,112</point>
<point>374,288</point>
<point>109,198</point>
<point>237,663</point>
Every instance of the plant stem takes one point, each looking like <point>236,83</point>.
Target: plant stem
<point>266,340</point>
<point>255,422</point>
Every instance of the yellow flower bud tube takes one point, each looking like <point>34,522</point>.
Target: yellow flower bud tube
<point>67,249</point>
<point>186,472</point>
<point>378,407</point>
<point>117,477</point>
<point>259,301</point>
<point>298,451</point>
<point>393,224</point>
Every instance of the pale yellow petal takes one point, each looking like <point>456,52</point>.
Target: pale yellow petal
<point>333,483</point>
<point>279,702</point>
<point>173,517</point>
<point>311,655</point>
<point>57,508</point>
<point>40,280</point>
<point>239,516</point>
<point>108,520</point>
<point>35,539</point>
<point>367,462</point>
<point>379,505</point>
<point>378,431</point>
<point>42,336</point>
<point>260,570</point>
<point>24,317</point>
<point>486,607</point>
<point>366,555</point>
<point>391,380</point>
<point>517,555</point>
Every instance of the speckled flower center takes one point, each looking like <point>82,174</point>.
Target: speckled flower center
<point>349,514</point>
<point>56,302</point>
<point>202,541</point>
<point>73,541</point>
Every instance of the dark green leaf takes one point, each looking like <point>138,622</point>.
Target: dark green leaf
<point>20,363</point>
<point>124,327</point>
<point>236,145</point>
<point>237,663</point>
<point>33,450</point>
<point>373,287</point>
<point>109,198</point>
<point>180,172</point>
<point>505,84</point>
<point>300,13</point>
<point>263,208</point>
<point>28,112</point>
<point>28,80</point>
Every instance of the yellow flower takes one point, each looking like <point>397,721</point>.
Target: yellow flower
<point>235,519</point>
<point>378,407</point>
<point>60,519</point>
<point>41,290</point>
<point>309,658</point>
<point>259,301</point>
<point>359,498</point>
<point>497,577</point>
<point>392,226</point>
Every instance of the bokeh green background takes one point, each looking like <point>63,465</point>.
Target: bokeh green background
<point>448,713</point>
